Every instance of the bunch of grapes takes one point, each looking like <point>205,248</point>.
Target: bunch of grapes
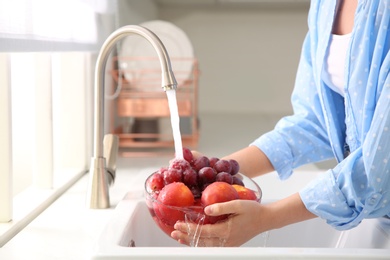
<point>196,173</point>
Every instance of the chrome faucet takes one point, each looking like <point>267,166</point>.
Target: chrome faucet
<point>102,170</point>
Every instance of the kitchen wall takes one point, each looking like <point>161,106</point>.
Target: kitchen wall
<point>136,11</point>
<point>248,53</point>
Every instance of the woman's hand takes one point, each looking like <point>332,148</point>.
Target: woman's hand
<point>196,154</point>
<point>247,219</point>
<point>242,225</point>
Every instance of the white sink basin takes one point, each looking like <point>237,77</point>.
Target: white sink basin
<point>132,234</point>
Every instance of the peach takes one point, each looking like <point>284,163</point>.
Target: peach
<point>217,192</point>
<point>172,201</point>
<point>244,193</point>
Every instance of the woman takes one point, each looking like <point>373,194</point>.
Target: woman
<point>341,104</point>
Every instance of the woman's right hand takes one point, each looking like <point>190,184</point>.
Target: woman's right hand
<point>246,219</point>
<point>242,224</point>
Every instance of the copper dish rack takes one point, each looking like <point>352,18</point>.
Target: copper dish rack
<point>142,97</point>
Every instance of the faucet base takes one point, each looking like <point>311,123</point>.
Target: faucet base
<point>98,194</point>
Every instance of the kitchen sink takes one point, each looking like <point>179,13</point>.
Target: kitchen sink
<point>132,234</point>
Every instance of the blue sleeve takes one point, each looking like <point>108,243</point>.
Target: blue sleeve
<point>302,137</point>
<point>359,186</point>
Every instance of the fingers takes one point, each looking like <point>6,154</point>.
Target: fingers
<point>220,229</point>
<point>196,154</point>
<point>217,234</point>
<point>188,240</point>
<point>211,242</point>
<point>187,233</point>
<point>223,208</point>
<point>211,234</point>
<point>195,235</point>
<point>181,237</point>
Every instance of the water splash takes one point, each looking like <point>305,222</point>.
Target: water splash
<point>194,223</point>
<point>264,237</point>
<point>175,123</point>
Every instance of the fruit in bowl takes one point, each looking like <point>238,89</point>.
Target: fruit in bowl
<point>180,191</point>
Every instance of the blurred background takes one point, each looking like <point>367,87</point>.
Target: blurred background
<point>248,51</point>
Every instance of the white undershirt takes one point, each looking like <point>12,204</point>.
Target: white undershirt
<point>334,67</point>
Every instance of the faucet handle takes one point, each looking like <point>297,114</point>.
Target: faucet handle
<point>110,152</point>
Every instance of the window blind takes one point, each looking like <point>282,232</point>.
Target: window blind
<point>54,25</point>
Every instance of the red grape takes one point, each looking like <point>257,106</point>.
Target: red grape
<point>162,170</point>
<point>187,154</point>
<point>179,164</point>
<point>225,177</point>
<point>223,166</point>
<point>235,167</point>
<point>207,175</point>
<point>238,181</point>
<point>213,160</point>
<point>156,182</point>
<point>190,177</point>
<point>200,163</point>
<point>172,175</point>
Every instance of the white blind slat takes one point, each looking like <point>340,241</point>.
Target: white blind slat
<point>5,142</point>
<point>54,25</point>
<point>43,129</point>
<point>70,109</point>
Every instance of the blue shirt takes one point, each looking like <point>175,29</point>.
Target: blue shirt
<point>326,125</point>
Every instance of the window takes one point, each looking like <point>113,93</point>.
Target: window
<point>48,122</point>
<point>48,53</point>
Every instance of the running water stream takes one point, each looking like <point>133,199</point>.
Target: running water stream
<point>175,123</point>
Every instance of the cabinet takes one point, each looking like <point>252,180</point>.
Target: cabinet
<point>142,101</point>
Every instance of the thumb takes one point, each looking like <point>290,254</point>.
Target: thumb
<point>222,208</point>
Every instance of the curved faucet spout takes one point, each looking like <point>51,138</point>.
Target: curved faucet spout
<point>100,176</point>
<point>168,79</point>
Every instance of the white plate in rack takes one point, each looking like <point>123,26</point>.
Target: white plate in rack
<point>138,59</point>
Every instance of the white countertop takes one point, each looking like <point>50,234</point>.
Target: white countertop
<point>68,229</point>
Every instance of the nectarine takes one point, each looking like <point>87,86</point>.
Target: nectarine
<point>170,198</point>
<point>218,192</point>
<point>245,193</point>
